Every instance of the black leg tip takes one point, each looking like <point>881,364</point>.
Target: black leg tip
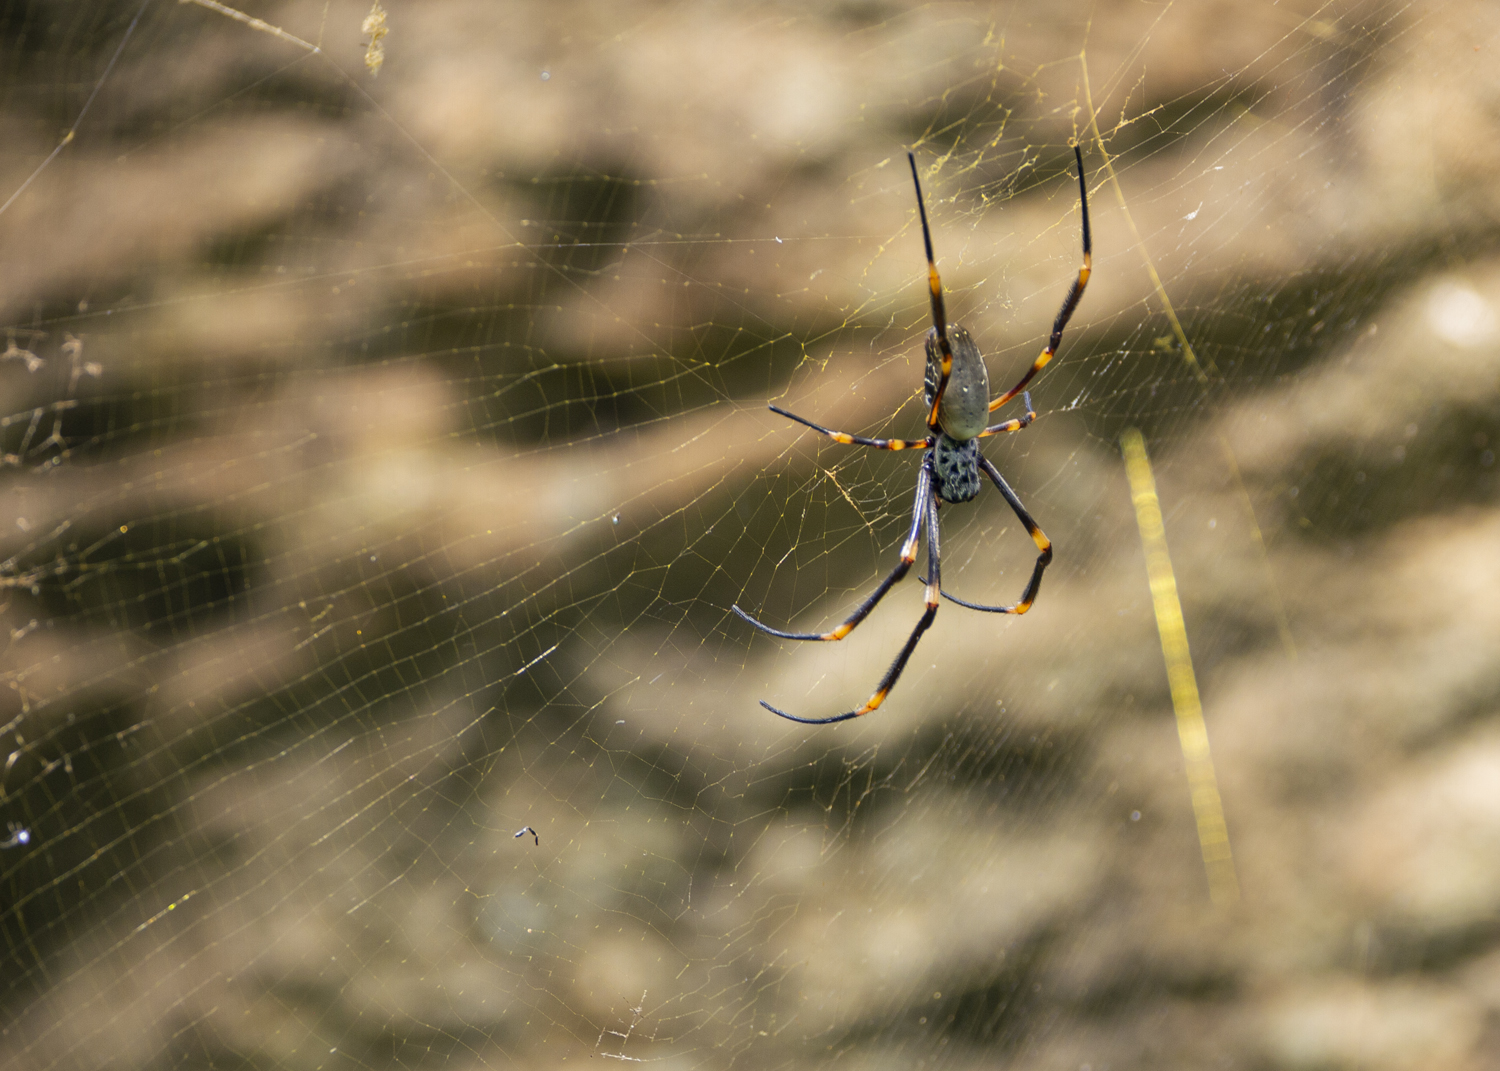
<point>809,721</point>
<point>746,617</point>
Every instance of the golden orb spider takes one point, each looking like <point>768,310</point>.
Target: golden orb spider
<point>956,390</point>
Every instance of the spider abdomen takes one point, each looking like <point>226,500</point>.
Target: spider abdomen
<point>955,468</point>
<point>965,408</point>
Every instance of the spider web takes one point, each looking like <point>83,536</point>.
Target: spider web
<point>385,444</point>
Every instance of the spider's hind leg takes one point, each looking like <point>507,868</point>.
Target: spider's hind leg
<point>1070,302</point>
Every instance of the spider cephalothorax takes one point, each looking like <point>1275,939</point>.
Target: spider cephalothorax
<point>955,468</point>
<point>956,391</point>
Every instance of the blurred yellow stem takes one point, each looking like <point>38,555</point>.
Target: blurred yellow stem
<point>1192,734</point>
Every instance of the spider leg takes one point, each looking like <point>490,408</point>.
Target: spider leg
<point>856,440</point>
<point>919,509</point>
<point>1069,303</point>
<point>1012,425</point>
<point>939,314</point>
<point>892,675</point>
<point>1038,537</point>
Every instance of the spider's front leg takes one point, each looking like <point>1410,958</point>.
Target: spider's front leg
<point>1039,537</point>
<point>862,611</point>
<point>893,674</point>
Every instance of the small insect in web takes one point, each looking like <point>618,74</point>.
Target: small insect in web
<point>19,835</point>
<point>525,830</point>
<point>956,391</point>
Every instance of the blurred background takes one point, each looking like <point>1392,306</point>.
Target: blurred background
<point>385,443</point>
